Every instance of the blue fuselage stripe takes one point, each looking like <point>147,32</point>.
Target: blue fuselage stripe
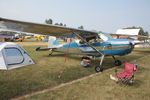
<point>111,47</point>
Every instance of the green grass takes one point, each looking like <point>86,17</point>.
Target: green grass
<point>100,87</point>
<point>45,73</point>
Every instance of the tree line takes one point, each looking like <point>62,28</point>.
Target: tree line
<point>50,21</point>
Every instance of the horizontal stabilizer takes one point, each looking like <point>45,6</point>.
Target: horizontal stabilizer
<point>43,49</point>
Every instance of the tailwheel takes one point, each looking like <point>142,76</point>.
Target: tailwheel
<point>99,68</point>
<point>50,53</point>
<point>38,48</point>
<point>118,62</point>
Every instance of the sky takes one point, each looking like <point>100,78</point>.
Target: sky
<point>100,15</point>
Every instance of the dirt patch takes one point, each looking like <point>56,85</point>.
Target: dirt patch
<point>58,86</point>
<point>53,88</point>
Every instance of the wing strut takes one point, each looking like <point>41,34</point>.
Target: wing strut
<point>88,43</point>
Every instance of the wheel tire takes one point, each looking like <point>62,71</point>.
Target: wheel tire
<point>50,53</point>
<point>118,63</point>
<point>98,69</point>
<point>38,48</point>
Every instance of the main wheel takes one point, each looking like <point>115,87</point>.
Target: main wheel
<point>98,68</point>
<point>118,63</point>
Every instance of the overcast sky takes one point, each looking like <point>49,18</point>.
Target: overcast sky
<point>100,15</point>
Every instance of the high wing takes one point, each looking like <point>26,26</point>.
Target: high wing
<point>44,29</point>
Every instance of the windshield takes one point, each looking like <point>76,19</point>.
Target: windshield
<point>104,36</point>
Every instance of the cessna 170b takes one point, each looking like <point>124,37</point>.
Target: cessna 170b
<point>91,43</point>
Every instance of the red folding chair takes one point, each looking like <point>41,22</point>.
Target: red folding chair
<point>128,74</point>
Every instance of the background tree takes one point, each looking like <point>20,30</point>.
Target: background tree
<point>49,21</point>
<point>146,33</point>
<point>65,25</point>
<point>81,27</point>
<point>56,24</point>
<point>61,24</point>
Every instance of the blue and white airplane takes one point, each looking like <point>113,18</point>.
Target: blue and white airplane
<point>90,43</point>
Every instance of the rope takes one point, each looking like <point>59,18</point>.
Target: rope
<point>61,72</point>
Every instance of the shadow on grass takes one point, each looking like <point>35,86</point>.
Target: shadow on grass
<point>137,83</point>
<point>107,63</point>
<point>61,55</point>
<point>145,51</point>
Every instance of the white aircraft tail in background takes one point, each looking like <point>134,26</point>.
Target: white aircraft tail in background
<point>53,43</point>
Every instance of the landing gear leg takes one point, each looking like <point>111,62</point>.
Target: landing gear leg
<point>94,58</point>
<point>100,67</point>
<point>117,62</point>
<point>50,53</point>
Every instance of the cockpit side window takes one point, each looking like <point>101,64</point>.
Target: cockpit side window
<point>81,42</point>
<point>90,40</point>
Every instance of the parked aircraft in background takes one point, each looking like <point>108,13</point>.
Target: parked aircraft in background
<point>134,34</point>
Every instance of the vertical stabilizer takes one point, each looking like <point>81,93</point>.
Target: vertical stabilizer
<point>53,43</point>
<point>50,41</point>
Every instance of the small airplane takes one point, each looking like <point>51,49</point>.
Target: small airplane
<point>91,43</point>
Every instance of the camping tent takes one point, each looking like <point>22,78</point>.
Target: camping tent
<point>13,56</point>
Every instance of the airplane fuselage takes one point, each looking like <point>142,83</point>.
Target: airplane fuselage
<point>111,47</point>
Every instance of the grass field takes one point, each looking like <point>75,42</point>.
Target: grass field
<point>44,74</point>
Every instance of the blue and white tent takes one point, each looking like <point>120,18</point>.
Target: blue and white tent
<point>13,56</point>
